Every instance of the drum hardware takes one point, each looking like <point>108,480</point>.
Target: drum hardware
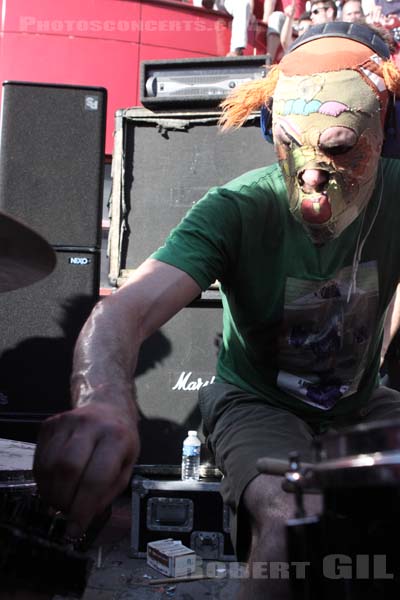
<point>21,481</point>
<point>16,459</point>
<point>298,477</point>
<point>378,468</point>
<point>351,548</point>
<point>294,479</point>
<point>35,552</point>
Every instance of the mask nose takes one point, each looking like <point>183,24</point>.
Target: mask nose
<point>313,180</point>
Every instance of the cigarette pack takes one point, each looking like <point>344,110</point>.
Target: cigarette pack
<point>171,558</point>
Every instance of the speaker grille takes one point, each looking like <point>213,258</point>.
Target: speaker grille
<point>39,327</point>
<point>173,365</point>
<point>167,170</point>
<point>51,160</point>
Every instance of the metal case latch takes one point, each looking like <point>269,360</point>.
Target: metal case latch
<point>207,544</point>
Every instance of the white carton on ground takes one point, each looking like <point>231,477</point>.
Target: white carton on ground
<point>171,558</point>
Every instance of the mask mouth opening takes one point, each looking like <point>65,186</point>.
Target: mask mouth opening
<point>317,184</point>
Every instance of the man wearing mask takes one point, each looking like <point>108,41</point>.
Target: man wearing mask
<point>307,253</point>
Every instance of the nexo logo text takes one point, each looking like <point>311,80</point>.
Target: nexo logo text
<point>79,260</point>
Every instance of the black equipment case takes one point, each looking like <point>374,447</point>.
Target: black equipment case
<point>164,506</point>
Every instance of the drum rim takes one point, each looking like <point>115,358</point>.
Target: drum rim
<point>9,486</point>
<point>15,476</point>
<point>376,469</point>
<point>358,461</point>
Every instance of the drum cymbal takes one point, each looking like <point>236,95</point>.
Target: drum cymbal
<point>25,257</point>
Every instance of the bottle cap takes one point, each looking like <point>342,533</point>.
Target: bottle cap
<point>192,433</point>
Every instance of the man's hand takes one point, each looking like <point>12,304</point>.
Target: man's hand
<point>290,9</point>
<point>84,459</point>
<point>85,456</point>
<point>375,16</point>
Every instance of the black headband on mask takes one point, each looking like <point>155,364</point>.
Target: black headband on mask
<point>351,31</point>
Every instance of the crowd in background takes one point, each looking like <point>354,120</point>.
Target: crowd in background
<point>287,19</point>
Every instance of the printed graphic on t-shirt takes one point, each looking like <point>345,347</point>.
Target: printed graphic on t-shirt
<point>324,341</point>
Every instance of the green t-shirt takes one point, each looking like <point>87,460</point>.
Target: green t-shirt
<point>291,334</point>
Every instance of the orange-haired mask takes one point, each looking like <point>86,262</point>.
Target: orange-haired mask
<point>328,134</point>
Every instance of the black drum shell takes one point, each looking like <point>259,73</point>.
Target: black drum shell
<point>358,474</point>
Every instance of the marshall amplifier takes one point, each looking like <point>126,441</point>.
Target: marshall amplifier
<point>163,163</point>
<point>197,81</point>
<point>173,365</point>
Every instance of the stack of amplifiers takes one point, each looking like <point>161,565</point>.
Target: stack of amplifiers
<point>163,163</point>
<point>51,177</point>
<point>196,81</point>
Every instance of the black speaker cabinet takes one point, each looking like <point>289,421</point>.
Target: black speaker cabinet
<point>39,326</point>
<point>51,160</point>
<point>173,365</point>
<point>164,163</point>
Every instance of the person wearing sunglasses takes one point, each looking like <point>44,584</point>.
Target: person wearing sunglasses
<point>323,11</point>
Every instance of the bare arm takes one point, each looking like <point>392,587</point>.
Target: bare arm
<point>269,7</point>
<point>107,348</point>
<point>85,456</point>
<point>286,36</point>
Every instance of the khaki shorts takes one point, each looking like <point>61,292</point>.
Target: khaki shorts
<point>240,428</point>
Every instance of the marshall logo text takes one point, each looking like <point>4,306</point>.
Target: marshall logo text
<point>189,383</point>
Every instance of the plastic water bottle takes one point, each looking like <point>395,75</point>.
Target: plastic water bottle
<point>191,457</point>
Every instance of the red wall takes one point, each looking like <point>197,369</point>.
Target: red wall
<point>101,42</point>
